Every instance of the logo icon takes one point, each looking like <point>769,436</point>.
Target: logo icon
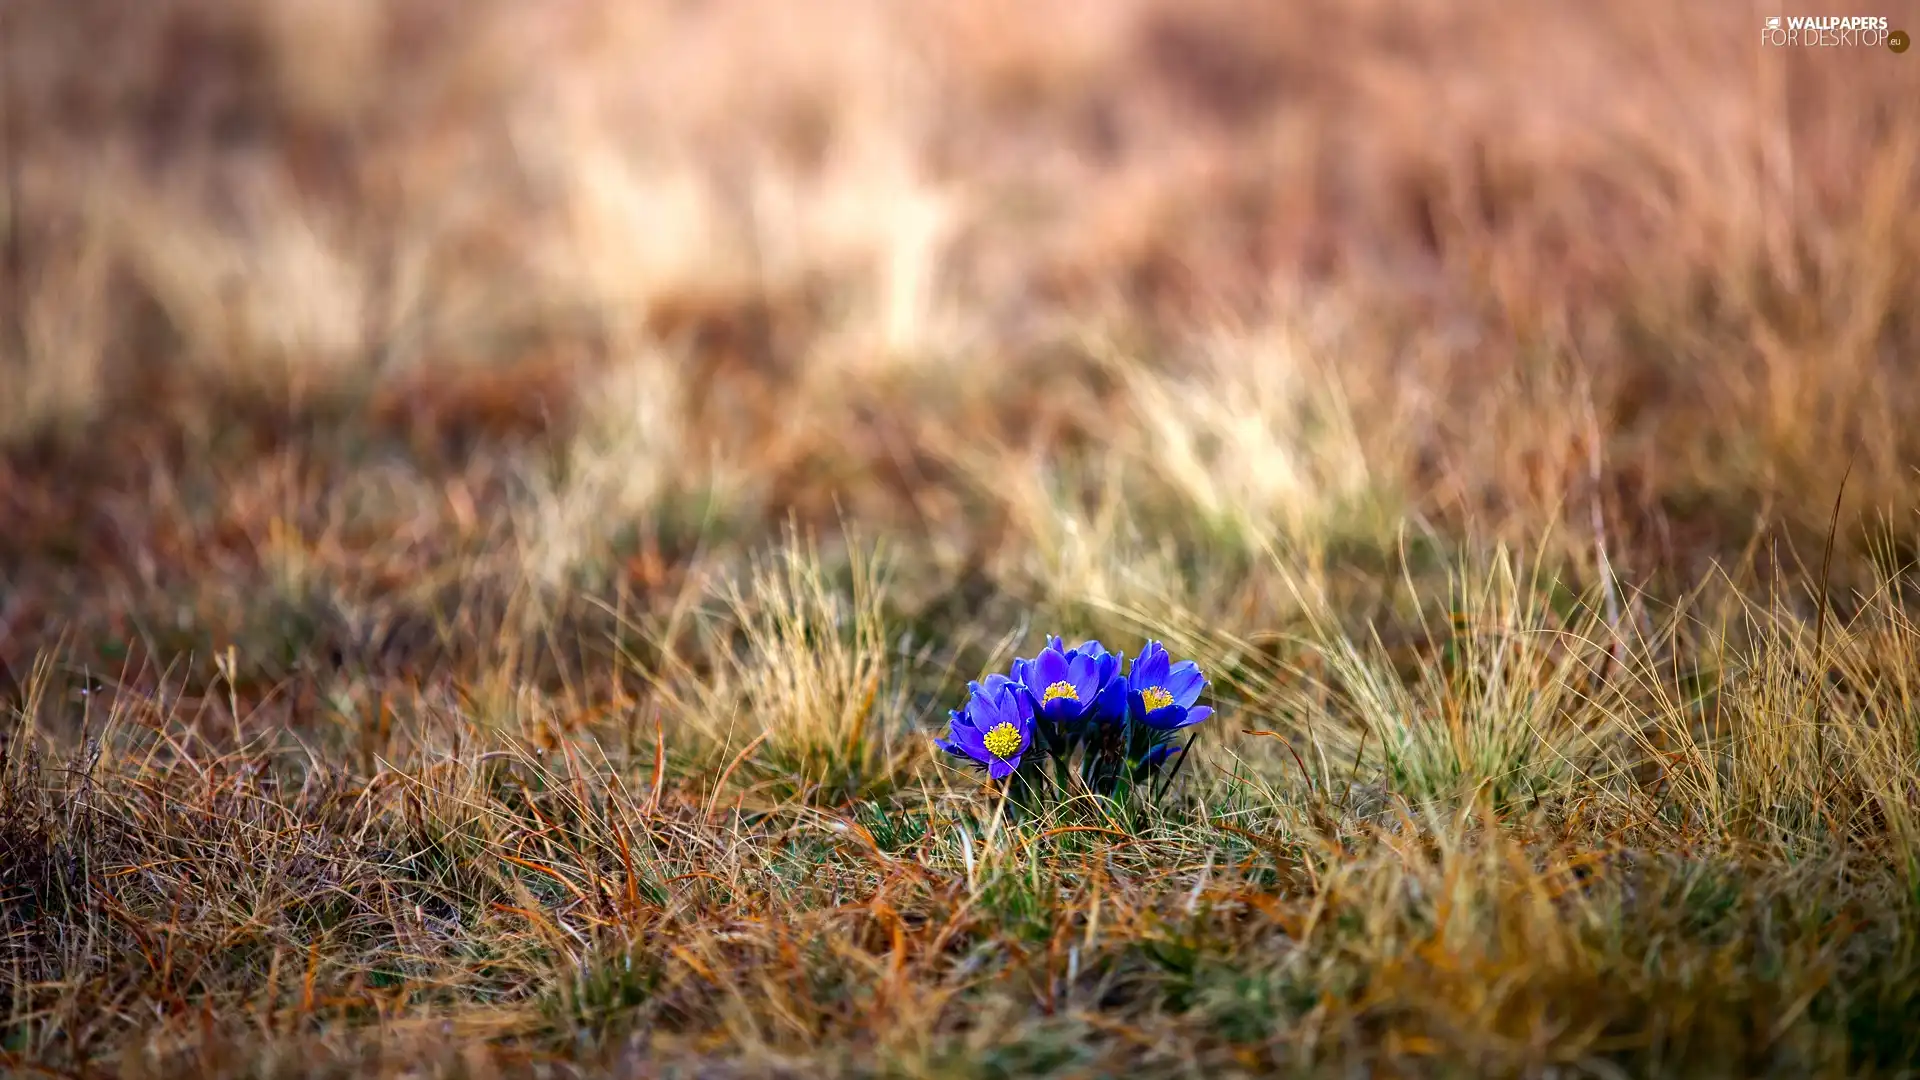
<point>1773,22</point>
<point>1898,41</point>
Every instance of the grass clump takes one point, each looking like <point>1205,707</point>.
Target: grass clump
<point>512,576</point>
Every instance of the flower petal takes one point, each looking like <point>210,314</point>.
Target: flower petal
<point>1185,682</point>
<point>969,739</point>
<point>1019,710</point>
<point>999,700</point>
<point>1159,754</point>
<point>1149,668</point>
<point>1110,705</point>
<point>1083,673</point>
<point>975,748</point>
<point>1048,668</point>
<point>1104,662</point>
<point>1168,717</point>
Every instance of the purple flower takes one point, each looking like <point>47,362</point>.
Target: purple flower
<point>1162,754</point>
<point>1070,685</point>
<point>995,728</point>
<point>1162,693</point>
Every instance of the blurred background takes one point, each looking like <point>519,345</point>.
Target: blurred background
<point>405,404</point>
<point>346,307</point>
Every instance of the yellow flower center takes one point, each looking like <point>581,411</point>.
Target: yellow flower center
<point>1003,741</point>
<point>1155,697</point>
<point>1058,690</point>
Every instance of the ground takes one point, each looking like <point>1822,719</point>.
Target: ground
<point>497,501</point>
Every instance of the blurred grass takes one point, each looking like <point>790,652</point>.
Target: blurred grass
<point>495,500</point>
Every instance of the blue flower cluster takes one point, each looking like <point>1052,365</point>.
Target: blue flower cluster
<point>1079,703</point>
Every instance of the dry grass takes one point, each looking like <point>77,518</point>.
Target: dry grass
<point>496,500</point>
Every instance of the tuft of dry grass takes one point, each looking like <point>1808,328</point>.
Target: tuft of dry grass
<point>496,501</point>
